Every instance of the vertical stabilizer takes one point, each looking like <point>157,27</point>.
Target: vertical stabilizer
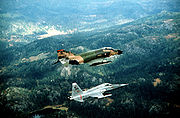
<point>63,56</point>
<point>76,90</point>
<point>77,93</point>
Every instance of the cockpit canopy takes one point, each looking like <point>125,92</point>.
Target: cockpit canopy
<point>107,48</point>
<point>107,84</point>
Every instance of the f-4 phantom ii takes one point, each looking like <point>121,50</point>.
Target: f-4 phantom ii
<point>94,57</point>
<point>97,92</point>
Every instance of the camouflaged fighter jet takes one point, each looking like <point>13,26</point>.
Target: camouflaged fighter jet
<point>93,57</point>
<point>97,92</point>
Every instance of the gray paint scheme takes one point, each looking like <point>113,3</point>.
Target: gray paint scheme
<point>97,92</point>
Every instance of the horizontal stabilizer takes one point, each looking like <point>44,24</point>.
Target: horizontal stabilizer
<point>56,62</point>
<point>79,100</point>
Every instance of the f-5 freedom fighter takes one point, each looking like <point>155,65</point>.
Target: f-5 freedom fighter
<point>97,92</point>
<point>94,57</point>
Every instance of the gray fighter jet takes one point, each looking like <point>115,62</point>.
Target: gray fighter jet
<point>97,92</point>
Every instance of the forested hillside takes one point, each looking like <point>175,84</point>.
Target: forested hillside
<point>150,64</point>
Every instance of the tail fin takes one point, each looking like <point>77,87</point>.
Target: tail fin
<point>76,90</point>
<point>63,56</point>
<point>77,93</point>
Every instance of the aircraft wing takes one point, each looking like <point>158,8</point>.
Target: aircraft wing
<point>97,95</point>
<point>98,62</point>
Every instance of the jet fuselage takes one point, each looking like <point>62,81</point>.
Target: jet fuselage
<point>93,55</point>
<point>79,95</point>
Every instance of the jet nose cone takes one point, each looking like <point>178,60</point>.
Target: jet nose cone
<point>116,85</point>
<point>119,85</point>
<point>123,84</point>
<point>119,52</point>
